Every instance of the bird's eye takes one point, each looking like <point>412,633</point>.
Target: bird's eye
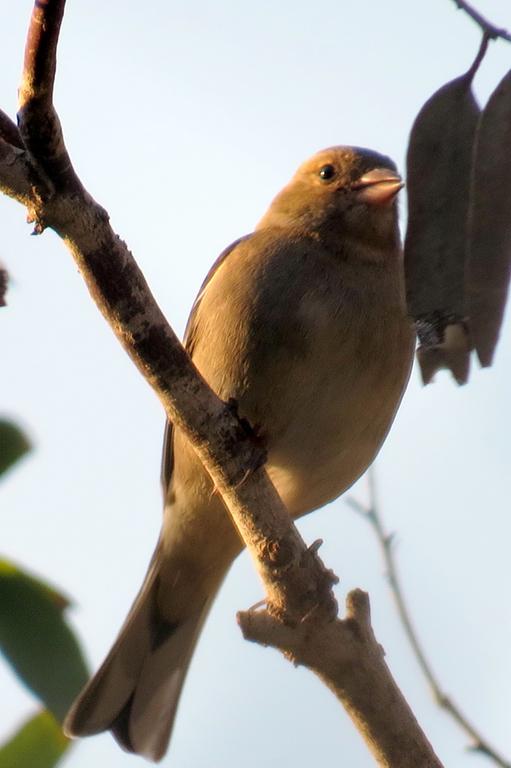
<point>327,172</point>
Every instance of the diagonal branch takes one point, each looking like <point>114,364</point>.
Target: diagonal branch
<point>373,517</point>
<point>489,29</point>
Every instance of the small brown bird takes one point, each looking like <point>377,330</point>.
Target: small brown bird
<point>304,324</point>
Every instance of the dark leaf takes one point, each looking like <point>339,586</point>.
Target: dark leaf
<point>489,260</point>
<point>13,445</point>
<point>37,641</point>
<point>39,743</point>
<point>439,170</point>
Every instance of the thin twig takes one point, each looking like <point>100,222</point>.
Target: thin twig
<point>489,29</point>
<point>372,514</point>
<point>471,73</point>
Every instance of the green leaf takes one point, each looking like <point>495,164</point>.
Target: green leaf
<point>8,569</point>
<point>37,641</point>
<point>13,444</point>
<point>39,743</point>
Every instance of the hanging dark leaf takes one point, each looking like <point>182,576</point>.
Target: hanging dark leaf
<point>438,182</point>
<point>489,257</point>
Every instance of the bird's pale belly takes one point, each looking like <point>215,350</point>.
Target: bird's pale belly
<point>326,477</point>
<point>324,429</point>
<point>332,442</point>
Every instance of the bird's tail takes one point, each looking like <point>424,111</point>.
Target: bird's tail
<point>135,692</point>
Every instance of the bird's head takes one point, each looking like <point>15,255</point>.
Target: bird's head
<point>341,190</point>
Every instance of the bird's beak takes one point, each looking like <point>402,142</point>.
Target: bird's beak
<point>377,187</point>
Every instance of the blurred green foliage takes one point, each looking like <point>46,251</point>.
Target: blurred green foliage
<point>39,743</point>
<point>13,444</point>
<point>37,641</point>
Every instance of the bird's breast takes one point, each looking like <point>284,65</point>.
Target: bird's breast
<point>317,359</point>
<point>336,405</point>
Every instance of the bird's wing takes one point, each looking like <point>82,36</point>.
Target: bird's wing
<point>167,461</point>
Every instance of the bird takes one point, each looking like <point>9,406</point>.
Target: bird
<point>303,325</point>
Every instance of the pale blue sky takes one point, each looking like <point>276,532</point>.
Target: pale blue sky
<point>183,120</point>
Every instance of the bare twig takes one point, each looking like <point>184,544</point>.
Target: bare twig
<point>479,57</point>
<point>346,656</point>
<point>489,29</point>
<point>298,586</point>
<point>373,516</point>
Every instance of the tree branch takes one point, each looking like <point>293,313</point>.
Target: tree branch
<point>9,131</point>
<point>15,174</point>
<point>489,29</point>
<point>298,585</point>
<point>38,122</point>
<point>373,517</point>
<point>346,656</point>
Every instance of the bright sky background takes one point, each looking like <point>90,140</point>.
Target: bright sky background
<point>184,119</point>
